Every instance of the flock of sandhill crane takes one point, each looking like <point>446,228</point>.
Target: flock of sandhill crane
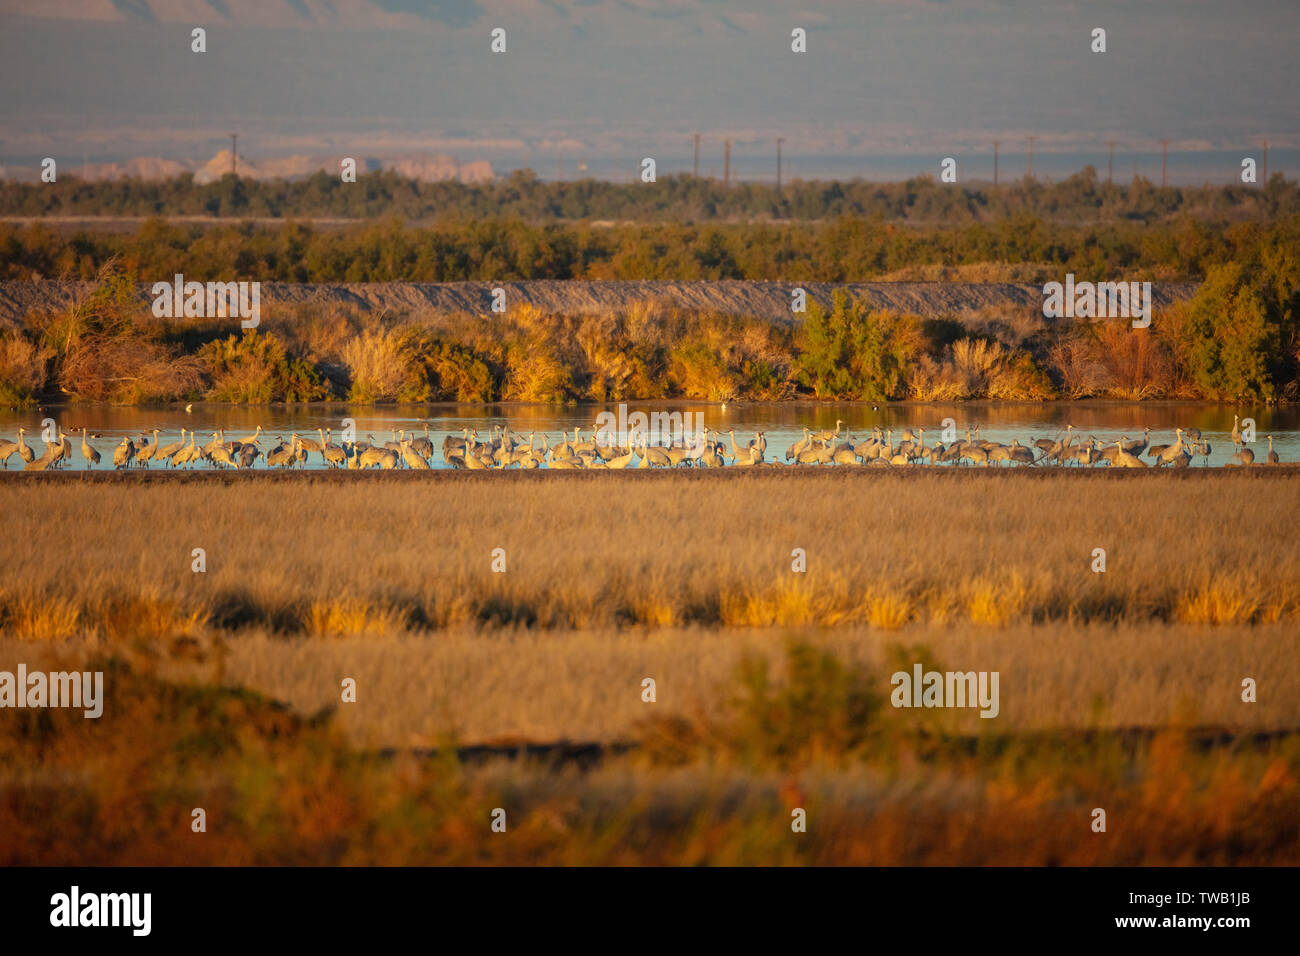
<point>506,449</point>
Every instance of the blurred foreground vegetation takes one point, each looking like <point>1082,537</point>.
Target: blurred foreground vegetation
<point>878,786</point>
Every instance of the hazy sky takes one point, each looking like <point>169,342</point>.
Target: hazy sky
<point>609,81</point>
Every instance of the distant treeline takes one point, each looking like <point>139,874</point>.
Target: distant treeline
<point>1023,248</point>
<point>679,198</point>
<point>1237,339</point>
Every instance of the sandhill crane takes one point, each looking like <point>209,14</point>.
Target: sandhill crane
<point>657,457</point>
<point>1135,446</point>
<point>622,461</point>
<point>220,455</point>
<point>311,444</point>
<point>369,457</point>
<point>711,458</point>
<point>1019,453</point>
<point>952,453</point>
<point>190,453</point>
<point>1089,454</point>
<point>282,455</point>
<point>423,445</point>
<point>216,442</point>
<point>62,451</point>
<point>454,443</point>
<point>564,449</point>
<point>146,450</point>
<point>7,448</point>
<point>1273,458</point>
<point>676,454</point>
<point>1155,451</point>
<point>1202,448</point>
<point>828,436</point>
<point>42,463</point>
<point>1171,454</point>
<point>332,454</point>
<point>736,453</point>
<point>1125,460</point>
<point>167,451</point>
<point>24,450</point>
<point>124,454</point>
<point>585,445</point>
<point>88,451</point>
<point>47,455</point>
<point>253,439</point>
<point>413,458</point>
<point>472,460</point>
<point>811,455</point>
<point>867,449</point>
<point>1244,457</point>
<point>844,455</point>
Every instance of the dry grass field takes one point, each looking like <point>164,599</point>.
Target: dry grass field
<point>1119,689</point>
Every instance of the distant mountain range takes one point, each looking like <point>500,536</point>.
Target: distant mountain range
<point>425,169</point>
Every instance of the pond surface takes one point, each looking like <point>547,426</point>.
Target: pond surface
<point>783,423</point>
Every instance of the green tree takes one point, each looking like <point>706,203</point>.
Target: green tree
<point>855,352</point>
<point>1231,335</point>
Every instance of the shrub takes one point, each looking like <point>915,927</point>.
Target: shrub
<point>379,365</point>
<point>255,368</point>
<point>22,368</point>
<point>1231,335</point>
<point>854,352</point>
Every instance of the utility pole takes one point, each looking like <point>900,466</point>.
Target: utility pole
<point>995,162</point>
<point>1264,169</point>
<point>1110,163</point>
<point>695,169</point>
<point>234,155</point>
<point>1164,155</point>
<point>779,141</point>
<point>726,165</point>
<point>1030,174</point>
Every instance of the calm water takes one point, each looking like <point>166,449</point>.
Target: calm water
<point>783,424</point>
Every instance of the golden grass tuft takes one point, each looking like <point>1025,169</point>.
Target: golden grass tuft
<point>653,611</point>
<point>888,610</point>
<point>37,616</point>
<point>353,617</point>
<point>996,603</point>
<point>784,605</point>
<point>1222,601</point>
<point>126,617</point>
